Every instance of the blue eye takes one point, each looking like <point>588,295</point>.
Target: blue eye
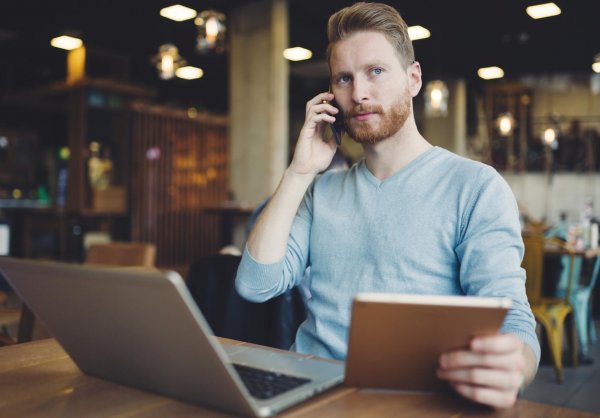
<point>377,71</point>
<point>344,79</point>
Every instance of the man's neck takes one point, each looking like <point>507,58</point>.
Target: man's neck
<point>387,157</point>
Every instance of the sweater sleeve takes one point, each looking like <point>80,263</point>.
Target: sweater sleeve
<point>259,282</point>
<point>490,251</point>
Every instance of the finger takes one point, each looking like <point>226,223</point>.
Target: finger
<point>464,359</point>
<point>487,396</point>
<point>502,343</point>
<point>323,117</point>
<point>319,98</point>
<point>322,108</point>
<point>492,378</point>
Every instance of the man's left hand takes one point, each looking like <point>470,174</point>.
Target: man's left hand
<point>491,371</point>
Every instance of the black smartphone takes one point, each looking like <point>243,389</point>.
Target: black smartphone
<point>336,127</point>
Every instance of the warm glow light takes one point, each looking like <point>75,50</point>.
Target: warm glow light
<point>418,32</point>
<point>596,67</point>
<point>189,72</point>
<point>540,11</point>
<point>436,98</point>
<point>489,73</point>
<point>549,136</point>
<point>167,66</point>
<point>167,61</point>
<point>66,42</point>
<point>505,125</point>
<point>297,53</point>
<point>212,28</point>
<point>192,112</point>
<point>178,13</point>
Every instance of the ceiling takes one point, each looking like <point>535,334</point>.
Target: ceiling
<point>466,35</point>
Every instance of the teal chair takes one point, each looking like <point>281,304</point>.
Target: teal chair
<point>580,300</point>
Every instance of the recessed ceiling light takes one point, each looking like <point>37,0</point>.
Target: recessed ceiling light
<point>189,73</point>
<point>418,32</point>
<point>297,53</point>
<point>596,67</point>
<point>489,73</point>
<point>178,13</point>
<point>539,11</point>
<point>66,42</point>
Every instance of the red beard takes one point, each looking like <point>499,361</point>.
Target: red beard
<point>390,122</point>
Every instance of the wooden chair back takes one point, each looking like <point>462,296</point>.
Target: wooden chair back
<point>126,254</point>
<point>533,263</point>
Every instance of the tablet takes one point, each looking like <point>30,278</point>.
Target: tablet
<point>395,340</point>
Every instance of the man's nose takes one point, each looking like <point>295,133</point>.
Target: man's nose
<point>359,90</point>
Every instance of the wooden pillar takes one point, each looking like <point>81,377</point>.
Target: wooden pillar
<point>258,98</point>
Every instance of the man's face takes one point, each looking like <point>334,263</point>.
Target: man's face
<point>370,85</point>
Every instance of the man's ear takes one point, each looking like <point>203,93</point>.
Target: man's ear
<point>414,78</point>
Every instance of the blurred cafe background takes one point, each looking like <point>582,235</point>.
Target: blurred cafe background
<point>141,122</point>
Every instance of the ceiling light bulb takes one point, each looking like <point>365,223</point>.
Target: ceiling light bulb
<point>596,67</point>
<point>212,28</point>
<point>549,136</point>
<point>505,123</point>
<point>167,66</point>
<point>436,98</point>
<point>167,61</point>
<point>297,53</point>
<point>66,42</point>
<point>178,13</point>
<point>540,11</point>
<point>418,32</point>
<point>189,72</point>
<point>489,73</point>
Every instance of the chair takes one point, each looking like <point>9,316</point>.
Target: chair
<point>549,312</point>
<point>580,296</point>
<point>211,281</point>
<point>124,254</point>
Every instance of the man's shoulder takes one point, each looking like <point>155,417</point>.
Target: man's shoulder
<point>463,166</point>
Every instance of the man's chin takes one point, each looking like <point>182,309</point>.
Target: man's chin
<point>366,138</point>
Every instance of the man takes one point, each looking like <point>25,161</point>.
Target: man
<point>409,218</point>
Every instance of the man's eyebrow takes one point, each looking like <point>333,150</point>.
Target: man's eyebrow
<point>340,73</point>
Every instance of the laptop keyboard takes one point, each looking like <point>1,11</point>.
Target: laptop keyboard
<point>264,384</point>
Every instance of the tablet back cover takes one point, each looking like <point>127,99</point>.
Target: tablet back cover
<point>395,340</point>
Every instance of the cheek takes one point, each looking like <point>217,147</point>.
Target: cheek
<point>344,101</point>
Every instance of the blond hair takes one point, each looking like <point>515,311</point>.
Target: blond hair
<point>376,17</point>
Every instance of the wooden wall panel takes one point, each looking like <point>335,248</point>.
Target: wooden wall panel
<point>180,166</point>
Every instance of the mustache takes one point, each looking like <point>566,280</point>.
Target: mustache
<point>364,108</point>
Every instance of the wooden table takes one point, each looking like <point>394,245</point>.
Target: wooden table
<point>38,379</point>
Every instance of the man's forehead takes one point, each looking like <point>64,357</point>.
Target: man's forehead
<point>362,48</point>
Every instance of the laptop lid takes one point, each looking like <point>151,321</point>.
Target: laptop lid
<point>142,328</point>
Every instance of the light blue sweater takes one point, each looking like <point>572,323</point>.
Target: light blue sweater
<point>442,225</point>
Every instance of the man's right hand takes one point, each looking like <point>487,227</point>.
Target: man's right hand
<point>313,153</point>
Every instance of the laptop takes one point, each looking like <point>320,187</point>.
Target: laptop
<point>143,329</point>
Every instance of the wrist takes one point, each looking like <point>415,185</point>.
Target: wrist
<point>298,177</point>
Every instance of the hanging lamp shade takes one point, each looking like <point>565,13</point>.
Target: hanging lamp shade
<point>211,31</point>
<point>436,98</point>
<point>167,61</point>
